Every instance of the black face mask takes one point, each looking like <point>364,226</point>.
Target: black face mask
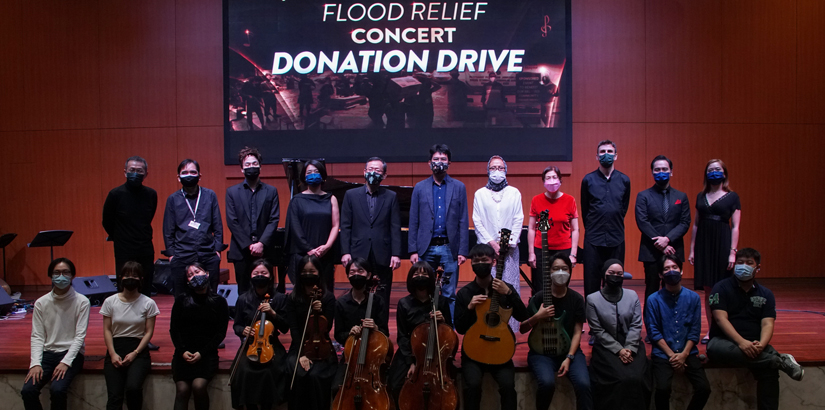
<point>133,179</point>
<point>252,172</point>
<point>421,283</point>
<point>130,283</point>
<point>482,270</point>
<point>259,281</point>
<point>310,280</point>
<point>614,281</point>
<point>199,282</point>
<point>373,178</point>
<point>672,277</point>
<point>189,181</point>
<point>358,281</point>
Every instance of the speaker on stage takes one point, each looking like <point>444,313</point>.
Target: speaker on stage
<point>162,280</point>
<point>6,302</point>
<point>230,293</point>
<point>96,288</point>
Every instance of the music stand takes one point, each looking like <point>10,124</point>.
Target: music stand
<point>50,239</point>
<point>5,240</point>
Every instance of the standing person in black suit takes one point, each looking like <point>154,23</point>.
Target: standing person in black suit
<point>371,227</point>
<point>252,214</point>
<point>663,216</point>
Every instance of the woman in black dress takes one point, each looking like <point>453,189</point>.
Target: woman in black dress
<point>197,326</point>
<point>312,222</point>
<point>260,385</point>
<point>312,385</point>
<point>715,231</point>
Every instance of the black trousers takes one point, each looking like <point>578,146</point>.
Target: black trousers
<point>765,369</point>
<point>663,377</point>
<point>147,262</point>
<point>126,382</point>
<point>536,274</point>
<point>504,374</point>
<point>593,259</point>
<point>59,388</point>
<point>652,280</point>
<point>177,267</point>
<point>384,290</point>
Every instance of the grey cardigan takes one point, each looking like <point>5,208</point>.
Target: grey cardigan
<point>602,317</point>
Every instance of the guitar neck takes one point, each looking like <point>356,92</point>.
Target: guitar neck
<point>502,256</point>
<point>545,270</point>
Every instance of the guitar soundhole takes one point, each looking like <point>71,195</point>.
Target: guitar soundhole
<point>492,319</point>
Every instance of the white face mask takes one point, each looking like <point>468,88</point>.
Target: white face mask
<point>560,277</point>
<point>497,176</point>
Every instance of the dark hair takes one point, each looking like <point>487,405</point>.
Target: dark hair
<point>247,151</point>
<point>480,250</point>
<point>551,168</point>
<point>749,253</point>
<point>430,273</point>
<point>58,261</point>
<point>441,149</point>
<point>130,267</point>
<point>298,292</point>
<point>188,161</point>
<point>359,262</point>
<point>268,266</point>
<point>317,164</point>
<point>188,295</point>
<point>137,159</point>
<point>666,258</point>
<point>725,186</point>
<point>663,158</point>
<point>384,163</point>
<point>564,258</point>
<point>606,142</point>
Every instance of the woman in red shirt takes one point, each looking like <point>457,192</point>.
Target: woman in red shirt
<point>563,235</point>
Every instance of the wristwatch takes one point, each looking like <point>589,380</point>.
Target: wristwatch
<point>571,357</point>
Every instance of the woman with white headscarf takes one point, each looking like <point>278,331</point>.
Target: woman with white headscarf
<point>498,206</point>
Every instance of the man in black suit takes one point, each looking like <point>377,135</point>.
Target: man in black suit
<point>371,227</point>
<point>663,216</point>
<point>252,214</point>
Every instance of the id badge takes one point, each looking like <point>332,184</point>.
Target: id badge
<point>193,224</point>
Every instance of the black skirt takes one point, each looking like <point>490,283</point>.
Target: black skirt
<point>256,384</point>
<point>619,386</point>
<point>205,368</point>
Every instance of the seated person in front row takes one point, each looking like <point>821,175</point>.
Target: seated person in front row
<point>470,296</point>
<point>743,317</point>
<point>59,324</point>
<point>568,307</point>
<point>674,324</point>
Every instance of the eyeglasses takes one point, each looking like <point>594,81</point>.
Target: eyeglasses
<point>717,169</point>
<point>496,168</point>
<point>59,273</point>
<point>140,171</point>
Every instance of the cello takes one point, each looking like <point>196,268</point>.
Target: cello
<point>362,387</point>
<point>490,340</point>
<point>433,345</point>
<point>315,342</point>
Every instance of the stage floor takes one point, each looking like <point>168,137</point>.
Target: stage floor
<point>800,328</point>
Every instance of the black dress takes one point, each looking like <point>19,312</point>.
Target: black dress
<point>255,383</point>
<point>712,246</point>
<point>308,224</point>
<point>197,325</point>
<point>312,389</point>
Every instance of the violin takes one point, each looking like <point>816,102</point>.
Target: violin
<point>315,343</point>
<point>365,353</point>
<point>261,350</point>
<point>434,344</point>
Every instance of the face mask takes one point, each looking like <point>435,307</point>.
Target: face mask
<point>311,280</point>
<point>560,277</point>
<point>439,167</point>
<point>614,281</point>
<point>130,283</point>
<point>358,281</point>
<point>134,179</point>
<point>606,160</point>
<point>252,172</point>
<point>661,177</point>
<point>314,179</point>
<point>672,277</point>
<point>199,282</point>
<point>421,283</point>
<point>259,281</point>
<point>373,178</point>
<point>61,282</point>
<point>189,180</point>
<point>552,187</point>
<point>482,270</point>
<point>743,272</point>
<point>497,176</point>
<point>716,177</point>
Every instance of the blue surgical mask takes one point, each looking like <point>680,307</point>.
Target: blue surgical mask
<point>606,160</point>
<point>716,177</point>
<point>314,179</point>
<point>61,282</point>
<point>743,272</point>
<point>661,176</point>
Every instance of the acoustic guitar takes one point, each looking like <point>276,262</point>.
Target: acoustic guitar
<point>548,337</point>
<point>490,340</point>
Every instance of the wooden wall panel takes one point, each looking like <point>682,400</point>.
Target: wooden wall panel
<point>759,80</point>
<point>137,64</point>
<point>810,62</point>
<point>684,82</point>
<point>199,62</point>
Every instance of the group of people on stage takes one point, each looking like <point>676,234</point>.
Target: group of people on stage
<point>309,374</point>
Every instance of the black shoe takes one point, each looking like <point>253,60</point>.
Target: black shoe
<point>222,346</point>
<point>152,346</point>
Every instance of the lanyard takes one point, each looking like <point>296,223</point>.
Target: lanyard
<point>197,203</point>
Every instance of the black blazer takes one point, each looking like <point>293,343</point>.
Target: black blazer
<point>237,219</point>
<point>652,222</point>
<point>382,234</point>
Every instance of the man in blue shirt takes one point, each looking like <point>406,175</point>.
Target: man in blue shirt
<point>674,324</point>
<point>439,222</point>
